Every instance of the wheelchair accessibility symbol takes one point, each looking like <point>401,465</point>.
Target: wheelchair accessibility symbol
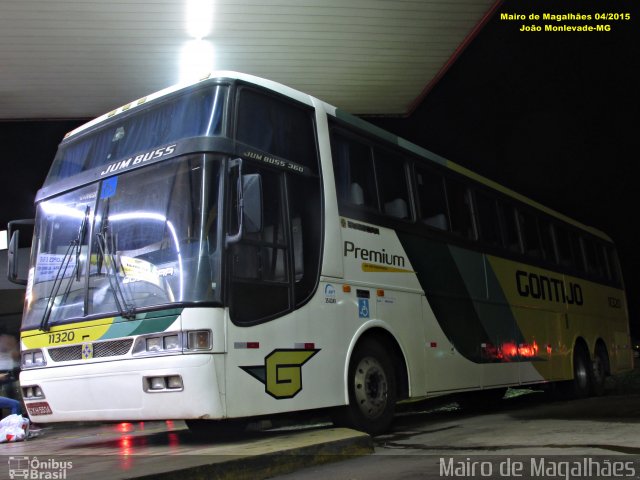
<point>363,307</point>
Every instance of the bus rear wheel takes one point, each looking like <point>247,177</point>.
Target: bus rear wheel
<point>581,385</point>
<point>372,389</point>
<point>599,372</point>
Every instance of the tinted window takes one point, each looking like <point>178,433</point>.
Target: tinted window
<point>612,260</point>
<point>260,262</point>
<point>565,257</point>
<point>431,198</point>
<point>529,229</point>
<point>593,255</point>
<point>276,127</point>
<point>193,114</point>
<point>459,199</point>
<point>576,248</point>
<point>488,220</point>
<point>353,169</point>
<point>510,227</point>
<point>392,184</point>
<point>546,236</point>
<point>306,233</point>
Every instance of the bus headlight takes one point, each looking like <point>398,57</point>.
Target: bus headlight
<point>158,344</point>
<point>173,342</point>
<point>33,358</point>
<point>154,344</point>
<point>32,393</point>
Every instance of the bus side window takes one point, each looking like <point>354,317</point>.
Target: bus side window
<point>277,127</point>
<point>460,213</point>
<point>488,219</point>
<point>510,227</point>
<point>546,236</point>
<point>431,199</point>
<point>530,237</point>
<point>601,256</point>
<point>306,233</point>
<point>392,184</point>
<point>259,262</point>
<point>593,257</point>
<point>612,261</point>
<point>353,169</point>
<point>576,247</point>
<point>563,243</point>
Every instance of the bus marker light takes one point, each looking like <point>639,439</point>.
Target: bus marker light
<point>346,288</point>
<point>380,292</point>
<point>240,345</point>
<point>434,344</point>
<point>304,346</point>
<point>199,340</point>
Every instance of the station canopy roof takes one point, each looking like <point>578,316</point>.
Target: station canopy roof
<point>81,58</point>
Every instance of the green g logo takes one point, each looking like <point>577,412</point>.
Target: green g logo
<point>282,371</point>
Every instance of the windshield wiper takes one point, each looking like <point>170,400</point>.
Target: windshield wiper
<point>111,267</point>
<point>74,245</point>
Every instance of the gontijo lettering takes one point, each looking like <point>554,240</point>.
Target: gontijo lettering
<point>548,288</point>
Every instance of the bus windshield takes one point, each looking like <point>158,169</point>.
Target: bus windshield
<point>145,238</point>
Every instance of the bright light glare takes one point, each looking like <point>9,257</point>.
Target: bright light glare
<point>199,18</point>
<point>196,60</point>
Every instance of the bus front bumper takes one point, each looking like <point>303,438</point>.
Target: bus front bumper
<point>129,390</point>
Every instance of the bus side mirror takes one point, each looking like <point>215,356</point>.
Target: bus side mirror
<point>248,202</point>
<point>252,202</point>
<point>13,232</point>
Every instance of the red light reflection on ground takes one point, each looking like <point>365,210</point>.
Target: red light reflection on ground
<point>125,449</point>
<point>125,427</point>
<point>174,440</point>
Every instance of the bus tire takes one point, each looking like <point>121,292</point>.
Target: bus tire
<point>599,372</point>
<point>372,389</point>
<point>580,386</point>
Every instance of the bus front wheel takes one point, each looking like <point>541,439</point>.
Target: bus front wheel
<point>372,389</point>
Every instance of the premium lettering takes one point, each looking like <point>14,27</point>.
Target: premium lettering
<point>377,256</point>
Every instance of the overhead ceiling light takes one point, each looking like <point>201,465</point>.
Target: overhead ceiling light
<point>199,18</point>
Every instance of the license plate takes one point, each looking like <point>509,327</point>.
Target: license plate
<point>39,408</point>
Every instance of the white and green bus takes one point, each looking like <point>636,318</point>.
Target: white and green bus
<point>234,248</point>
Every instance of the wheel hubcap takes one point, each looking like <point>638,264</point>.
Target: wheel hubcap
<point>371,388</point>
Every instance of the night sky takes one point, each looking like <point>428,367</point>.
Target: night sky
<point>553,115</point>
